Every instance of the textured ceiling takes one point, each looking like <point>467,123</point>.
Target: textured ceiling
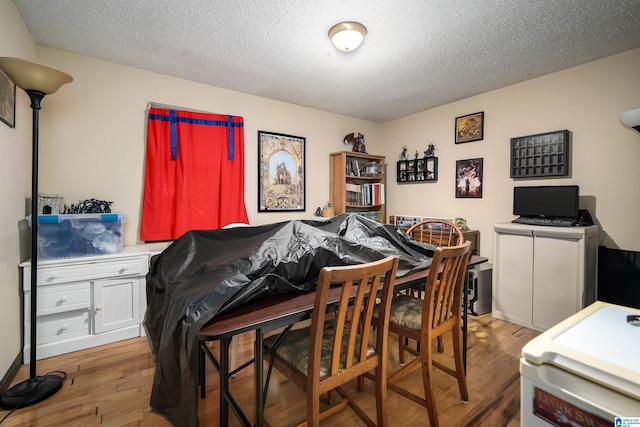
<point>418,54</point>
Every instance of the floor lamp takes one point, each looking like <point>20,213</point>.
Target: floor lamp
<point>37,80</point>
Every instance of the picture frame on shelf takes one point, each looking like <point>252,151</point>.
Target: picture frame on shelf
<point>281,172</point>
<point>469,128</point>
<point>7,100</point>
<point>469,178</point>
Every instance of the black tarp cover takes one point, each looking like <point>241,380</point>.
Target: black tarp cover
<point>204,273</point>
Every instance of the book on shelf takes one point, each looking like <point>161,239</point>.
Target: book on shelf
<point>354,194</point>
<point>352,167</point>
<point>373,194</point>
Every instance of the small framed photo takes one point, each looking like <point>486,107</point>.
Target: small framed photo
<point>281,172</point>
<point>470,128</point>
<point>469,179</point>
<point>7,100</point>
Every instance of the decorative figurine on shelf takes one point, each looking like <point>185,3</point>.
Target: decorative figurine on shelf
<point>327,210</point>
<point>318,211</point>
<point>416,155</point>
<point>403,155</point>
<point>357,141</point>
<point>462,223</point>
<point>431,150</point>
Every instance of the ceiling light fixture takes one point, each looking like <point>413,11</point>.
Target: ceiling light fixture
<point>347,36</point>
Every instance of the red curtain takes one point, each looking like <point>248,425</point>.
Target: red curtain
<point>194,176</point>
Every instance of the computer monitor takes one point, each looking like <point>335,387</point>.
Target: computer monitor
<point>560,201</point>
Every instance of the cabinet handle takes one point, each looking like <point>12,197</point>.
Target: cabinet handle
<point>64,327</point>
<point>52,277</point>
<point>98,307</point>
<point>122,269</point>
<point>63,299</point>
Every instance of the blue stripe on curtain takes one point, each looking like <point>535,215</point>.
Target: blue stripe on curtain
<point>174,138</point>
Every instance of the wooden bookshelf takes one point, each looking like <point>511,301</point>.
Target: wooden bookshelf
<point>358,184</point>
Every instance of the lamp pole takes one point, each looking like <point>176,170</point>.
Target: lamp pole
<point>37,81</point>
<point>36,98</point>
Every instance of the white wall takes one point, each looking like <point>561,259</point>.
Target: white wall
<point>95,127</point>
<point>15,175</point>
<point>586,100</point>
<point>93,133</point>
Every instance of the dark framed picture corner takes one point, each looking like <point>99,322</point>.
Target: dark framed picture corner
<point>7,100</point>
<point>281,172</point>
<point>469,128</point>
<point>469,178</point>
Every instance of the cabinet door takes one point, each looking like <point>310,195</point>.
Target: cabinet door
<point>513,270</point>
<point>557,282</point>
<point>116,304</point>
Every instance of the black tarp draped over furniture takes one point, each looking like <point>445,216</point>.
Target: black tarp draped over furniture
<point>204,273</point>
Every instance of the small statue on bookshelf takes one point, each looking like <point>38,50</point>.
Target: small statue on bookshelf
<point>357,141</point>
<point>415,156</point>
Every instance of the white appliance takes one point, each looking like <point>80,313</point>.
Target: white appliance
<point>584,371</point>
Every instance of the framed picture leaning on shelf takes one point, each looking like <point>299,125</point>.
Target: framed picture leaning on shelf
<point>281,172</point>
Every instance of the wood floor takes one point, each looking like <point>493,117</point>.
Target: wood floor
<point>110,385</point>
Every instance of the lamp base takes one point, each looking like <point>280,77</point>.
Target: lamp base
<point>31,391</point>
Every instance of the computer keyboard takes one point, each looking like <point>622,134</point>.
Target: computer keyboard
<point>553,222</point>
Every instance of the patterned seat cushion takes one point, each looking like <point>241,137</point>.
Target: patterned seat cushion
<point>295,348</point>
<point>405,311</point>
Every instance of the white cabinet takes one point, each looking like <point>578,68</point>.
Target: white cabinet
<point>85,302</point>
<point>542,275</point>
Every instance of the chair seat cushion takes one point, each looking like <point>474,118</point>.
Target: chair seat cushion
<point>295,348</point>
<point>406,311</point>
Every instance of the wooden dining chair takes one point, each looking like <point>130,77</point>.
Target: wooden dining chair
<point>336,348</point>
<point>426,319</point>
<point>436,232</point>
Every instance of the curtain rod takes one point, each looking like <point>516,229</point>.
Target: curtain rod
<point>174,107</point>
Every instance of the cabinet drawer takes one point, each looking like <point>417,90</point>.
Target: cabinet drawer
<point>51,275</point>
<point>63,326</point>
<point>62,298</point>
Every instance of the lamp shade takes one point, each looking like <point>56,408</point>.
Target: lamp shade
<point>347,36</point>
<point>631,119</point>
<point>29,75</point>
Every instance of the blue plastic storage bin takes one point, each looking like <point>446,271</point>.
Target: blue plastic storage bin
<point>77,235</point>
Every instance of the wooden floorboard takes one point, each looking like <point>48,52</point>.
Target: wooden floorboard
<point>110,385</point>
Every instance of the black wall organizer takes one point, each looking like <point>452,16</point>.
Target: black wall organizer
<point>544,154</point>
<point>417,170</point>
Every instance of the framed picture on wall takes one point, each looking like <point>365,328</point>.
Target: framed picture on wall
<point>281,172</point>
<point>7,100</point>
<point>470,127</point>
<point>469,179</point>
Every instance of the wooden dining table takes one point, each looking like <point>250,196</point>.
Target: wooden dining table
<point>267,314</point>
